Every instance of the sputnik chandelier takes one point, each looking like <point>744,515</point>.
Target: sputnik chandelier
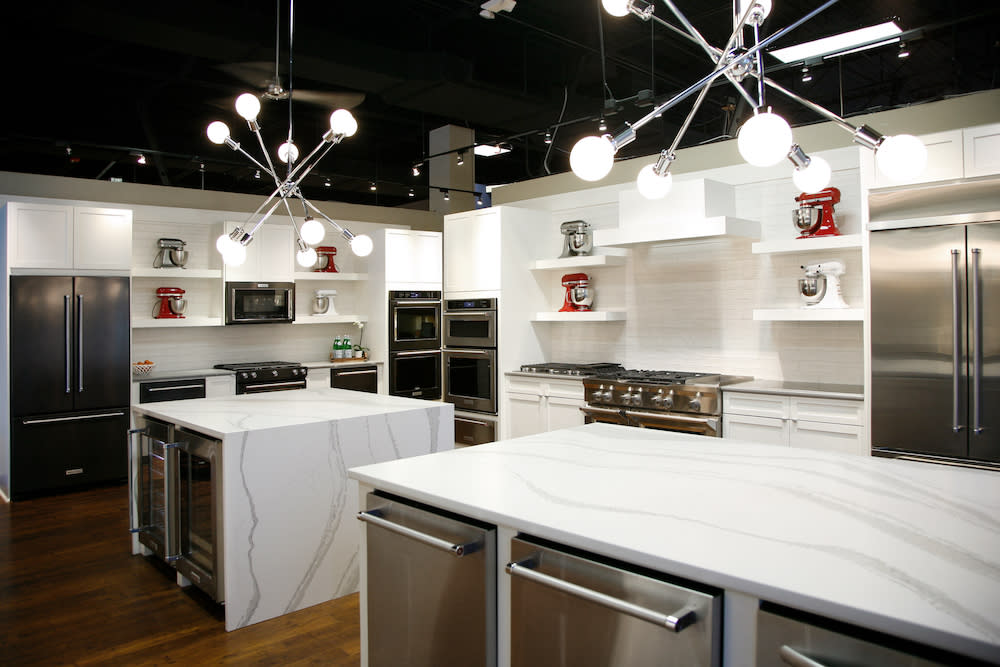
<point>233,246</point>
<point>766,137</point>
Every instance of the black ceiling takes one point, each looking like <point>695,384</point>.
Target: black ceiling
<point>91,83</point>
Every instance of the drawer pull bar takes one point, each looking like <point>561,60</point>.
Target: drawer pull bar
<point>676,621</point>
<point>458,550</point>
<point>52,420</point>
<point>367,372</point>
<point>790,656</point>
<point>179,386</point>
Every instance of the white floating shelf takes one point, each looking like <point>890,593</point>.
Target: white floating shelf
<point>809,314</point>
<point>807,245</point>
<point>706,228</point>
<point>582,316</point>
<point>321,275</point>
<point>329,319</point>
<point>149,322</point>
<point>613,257</point>
<point>174,272</point>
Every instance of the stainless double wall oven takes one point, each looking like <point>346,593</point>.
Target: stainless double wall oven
<point>470,366</point>
<point>415,344</point>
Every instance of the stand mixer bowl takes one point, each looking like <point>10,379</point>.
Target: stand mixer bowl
<point>321,304</point>
<point>178,305</point>
<point>805,217</point>
<point>812,289</point>
<point>178,257</point>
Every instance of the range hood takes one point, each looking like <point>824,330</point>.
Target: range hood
<point>694,209</point>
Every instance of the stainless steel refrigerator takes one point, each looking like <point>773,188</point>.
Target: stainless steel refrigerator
<point>935,342</point>
<point>69,381</point>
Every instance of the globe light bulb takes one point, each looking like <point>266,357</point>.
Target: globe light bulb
<point>248,106</point>
<point>901,157</point>
<point>616,7</point>
<point>764,140</point>
<point>343,122</point>
<point>592,158</point>
<point>651,185</point>
<point>288,152</point>
<point>222,243</point>
<point>234,254</point>
<point>306,258</point>
<point>813,177</point>
<point>217,132</point>
<point>312,231</point>
<point>362,245</point>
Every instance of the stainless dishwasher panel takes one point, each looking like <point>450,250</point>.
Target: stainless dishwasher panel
<point>568,609</point>
<point>431,587</point>
<point>789,638</point>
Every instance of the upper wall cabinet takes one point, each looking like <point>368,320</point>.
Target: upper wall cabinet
<point>981,147</point>
<point>55,237</point>
<point>413,257</point>
<point>270,256</point>
<point>472,251</point>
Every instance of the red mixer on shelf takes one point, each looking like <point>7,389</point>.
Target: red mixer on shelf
<point>172,303</point>
<point>814,216</point>
<point>325,256</point>
<point>579,293</point>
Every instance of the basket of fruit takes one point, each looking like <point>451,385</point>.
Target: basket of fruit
<point>143,367</point>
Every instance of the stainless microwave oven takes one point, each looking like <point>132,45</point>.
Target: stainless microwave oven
<point>259,303</point>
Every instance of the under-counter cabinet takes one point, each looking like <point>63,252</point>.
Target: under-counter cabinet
<point>49,236</point>
<point>539,405</point>
<point>831,424</point>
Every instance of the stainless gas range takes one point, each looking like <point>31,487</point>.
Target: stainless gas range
<point>573,370</point>
<point>664,400</point>
<point>258,377</point>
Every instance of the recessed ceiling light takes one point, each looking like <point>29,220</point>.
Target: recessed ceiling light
<point>838,45</point>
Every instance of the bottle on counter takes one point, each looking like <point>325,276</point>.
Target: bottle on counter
<point>348,348</point>
<point>338,350</point>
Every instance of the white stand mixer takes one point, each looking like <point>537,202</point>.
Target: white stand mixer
<point>821,286</point>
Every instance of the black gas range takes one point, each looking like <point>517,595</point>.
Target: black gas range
<point>261,376</point>
<point>666,400</point>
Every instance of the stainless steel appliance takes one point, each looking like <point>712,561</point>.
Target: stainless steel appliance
<point>821,286</point>
<point>415,373</point>
<point>576,370</point>
<point>172,303</point>
<point>262,376</point>
<point>474,430</point>
<point>935,342</point>
<point>259,303</point>
<point>171,254</point>
<point>355,378</point>
<point>176,508</point>
<point>664,400</point>
<point>579,293</point>
<point>171,390</point>
<point>573,608</point>
<point>814,216</point>
<point>414,320</point>
<point>577,238</point>
<point>70,381</point>
<point>470,323</point>
<point>444,568</point>
<point>323,302</point>
<point>471,379</point>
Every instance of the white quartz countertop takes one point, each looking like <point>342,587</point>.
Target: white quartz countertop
<point>226,415</point>
<point>911,549</point>
<point>807,389</point>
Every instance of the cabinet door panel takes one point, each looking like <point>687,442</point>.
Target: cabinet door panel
<point>826,437</point>
<point>765,430</point>
<point>760,405</point>
<point>41,344</point>
<point>103,360</point>
<point>982,150</point>
<point>563,413</point>
<point>472,253</point>
<point>277,253</point>
<point>41,236</point>
<point>102,239</point>
<point>827,410</point>
<point>525,415</point>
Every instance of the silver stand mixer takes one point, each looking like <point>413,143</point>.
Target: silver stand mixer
<point>578,238</point>
<point>821,286</point>
<point>172,254</point>
<point>323,302</point>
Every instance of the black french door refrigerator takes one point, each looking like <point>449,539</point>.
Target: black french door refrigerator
<point>70,381</point>
<point>935,333</point>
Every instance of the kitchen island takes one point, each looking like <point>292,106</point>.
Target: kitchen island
<point>908,549</point>
<point>289,537</point>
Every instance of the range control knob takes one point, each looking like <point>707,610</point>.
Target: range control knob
<point>253,374</point>
<point>695,403</point>
<point>274,373</point>
<point>637,397</point>
<point>244,375</point>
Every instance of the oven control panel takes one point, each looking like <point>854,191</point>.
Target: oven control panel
<point>677,398</point>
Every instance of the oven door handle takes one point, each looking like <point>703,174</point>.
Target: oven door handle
<point>618,412</point>
<point>481,353</point>
<point>292,383</point>
<point>416,352</point>
<point>403,304</point>
<point>470,313</point>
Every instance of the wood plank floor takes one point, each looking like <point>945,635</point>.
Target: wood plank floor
<point>71,593</point>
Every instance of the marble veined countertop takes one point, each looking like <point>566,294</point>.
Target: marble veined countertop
<point>911,549</point>
<point>227,415</point>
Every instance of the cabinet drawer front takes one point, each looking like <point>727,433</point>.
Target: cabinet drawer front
<point>826,437</point>
<point>765,430</point>
<point>758,405</point>
<point>565,389</point>
<point>834,411</point>
<point>525,386</point>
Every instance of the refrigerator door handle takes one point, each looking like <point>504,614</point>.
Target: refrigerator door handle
<point>68,338</point>
<point>79,343</point>
<point>977,344</point>
<point>956,343</point>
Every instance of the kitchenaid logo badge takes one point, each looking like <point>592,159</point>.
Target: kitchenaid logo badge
<point>263,284</point>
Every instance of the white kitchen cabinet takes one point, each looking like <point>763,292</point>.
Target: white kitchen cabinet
<point>220,385</point>
<point>270,256</point>
<point>944,161</point>
<point>47,236</point>
<point>413,256</point>
<point>472,251</point>
<point>831,424</point>
<point>545,404</point>
<point>981,150</point>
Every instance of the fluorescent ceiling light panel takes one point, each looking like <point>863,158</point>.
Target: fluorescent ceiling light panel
<point>845,42</point>
<point>487,150</point>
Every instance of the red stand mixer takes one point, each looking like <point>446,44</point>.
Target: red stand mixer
<point>324,262</point>
<point>172,303</point>
<point>579,293</point>
<point>814,216</point>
